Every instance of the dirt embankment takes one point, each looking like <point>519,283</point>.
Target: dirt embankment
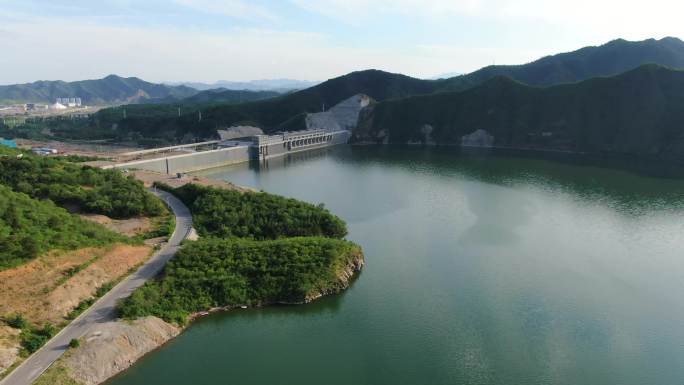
<point>108,350</point>
<point>129,227</point>
<point>46,289</point>
<point>149,177</point>
<point>115,346</point>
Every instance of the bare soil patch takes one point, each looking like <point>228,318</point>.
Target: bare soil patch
<point>44,290</point>
<point>129,227</point>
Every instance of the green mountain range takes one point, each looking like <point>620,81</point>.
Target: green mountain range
<point>285,112</point>
<point>610,59</point>
<point>605,98</point>
<point>109,90</point>
<point>640,112</point>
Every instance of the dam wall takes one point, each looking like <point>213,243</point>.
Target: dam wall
<point>278,145</point>
<point>262,147</point>
<point>190,162</point>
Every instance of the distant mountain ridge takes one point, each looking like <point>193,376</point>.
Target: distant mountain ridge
<point>109,90</point>
<point>276,85</point>
<point>229,96</point>
<point>287,112</point>
<point>637,113</point>
<point>609,59</point>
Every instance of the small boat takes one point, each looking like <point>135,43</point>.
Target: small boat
<point>204,313</point>
<point>243,307</point>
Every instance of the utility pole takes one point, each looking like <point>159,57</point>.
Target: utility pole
<point>200,116</point>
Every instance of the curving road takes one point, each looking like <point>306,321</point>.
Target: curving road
<point>104,309</point>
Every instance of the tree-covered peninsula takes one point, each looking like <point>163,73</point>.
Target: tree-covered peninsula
<point>256,249</point>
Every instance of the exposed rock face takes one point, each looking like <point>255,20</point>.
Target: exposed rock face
<point>344,276</point>
<point>343,116</point>
<point>426,130</point>
<point>115,346</point>
<point>479,138</point>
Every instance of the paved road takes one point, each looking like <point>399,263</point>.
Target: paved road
<point>103,310</point>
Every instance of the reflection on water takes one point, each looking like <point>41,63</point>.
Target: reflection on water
<point>480,270</point>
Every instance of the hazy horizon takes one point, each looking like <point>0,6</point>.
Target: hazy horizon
<point>237,40</point>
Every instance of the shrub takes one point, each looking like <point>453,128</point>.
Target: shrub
<point>17,321</point>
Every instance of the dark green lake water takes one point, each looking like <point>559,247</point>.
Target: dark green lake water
<point>479,271</point>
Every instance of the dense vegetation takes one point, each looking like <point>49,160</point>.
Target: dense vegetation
<point>637,113</point>
<point>31,189</point>
<point>30,227</point>
<point>232,214</point>
<point>256,249</point>
<point>111,89</point>
<point>94,190</point>
<point>226,273</point>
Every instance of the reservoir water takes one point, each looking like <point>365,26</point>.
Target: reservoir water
<point>480,270</point>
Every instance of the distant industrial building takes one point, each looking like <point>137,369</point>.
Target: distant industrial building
<point>69,102</point>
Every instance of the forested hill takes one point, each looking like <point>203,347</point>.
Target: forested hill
<point>34,191</point>
<point>162,121</point>
<point>640,112</point>
<point>111,89</point>
<point>613,58</point>
<point>230,96</point>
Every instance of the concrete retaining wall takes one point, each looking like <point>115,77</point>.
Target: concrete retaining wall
<point>190,162</point>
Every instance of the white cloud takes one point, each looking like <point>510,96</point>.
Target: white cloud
<point>234,8</point>
<point>359,10</point>
<point>602,19</point>
<point>166,55</point>
<point>172,53</point>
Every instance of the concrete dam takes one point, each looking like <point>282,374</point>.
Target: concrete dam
<point>244,143</point>
<point>204,155</point>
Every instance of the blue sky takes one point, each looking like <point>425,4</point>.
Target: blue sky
<point>209,40</point>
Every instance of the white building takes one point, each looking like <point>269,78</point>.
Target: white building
<point>69,102</point>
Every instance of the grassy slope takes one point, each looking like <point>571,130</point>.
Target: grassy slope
<point>30,227</point>
<point>32,188</point>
